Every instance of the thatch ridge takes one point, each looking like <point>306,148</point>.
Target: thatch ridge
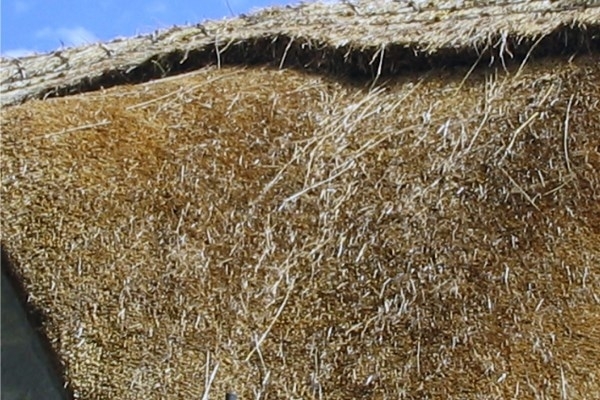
<point>367,39</point>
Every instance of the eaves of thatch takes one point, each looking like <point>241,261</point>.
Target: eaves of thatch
<point>364,38</point>
<point>371,199</point>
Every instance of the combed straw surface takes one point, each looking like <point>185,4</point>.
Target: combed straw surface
<point>362,37</point>
<point>290,235</point>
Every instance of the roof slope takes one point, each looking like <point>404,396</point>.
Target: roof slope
<point>436,238</point>
<point>365,37</point>
<point>435,235</point>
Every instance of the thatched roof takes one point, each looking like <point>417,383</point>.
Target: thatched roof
<point>364,37</point>
<point>286,234</point>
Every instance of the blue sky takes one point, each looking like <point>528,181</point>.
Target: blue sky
<point>45,25</point>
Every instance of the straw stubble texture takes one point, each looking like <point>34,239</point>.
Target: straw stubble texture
<point>303,238</point>
<point>363,37</point>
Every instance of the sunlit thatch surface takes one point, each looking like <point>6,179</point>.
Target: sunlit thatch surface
<point>433,239</point>
<point>358,37</point>
<point>303,236</point>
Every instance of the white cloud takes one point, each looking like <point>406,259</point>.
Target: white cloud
<point>156,7</point>
<point>21,6</point>
<point>18,53</point>
<point>69,36</point>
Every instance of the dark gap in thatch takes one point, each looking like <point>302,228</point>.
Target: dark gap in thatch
<point>358,65</point>
<point>36,318</point>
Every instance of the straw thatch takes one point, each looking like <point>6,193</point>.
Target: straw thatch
<point>292,235</point>
<point>365,37</point>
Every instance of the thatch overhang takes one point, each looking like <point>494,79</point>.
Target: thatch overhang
<point>375,199</point>
<point>367,38</point>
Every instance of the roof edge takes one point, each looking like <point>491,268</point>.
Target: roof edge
<point>360,62</point>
